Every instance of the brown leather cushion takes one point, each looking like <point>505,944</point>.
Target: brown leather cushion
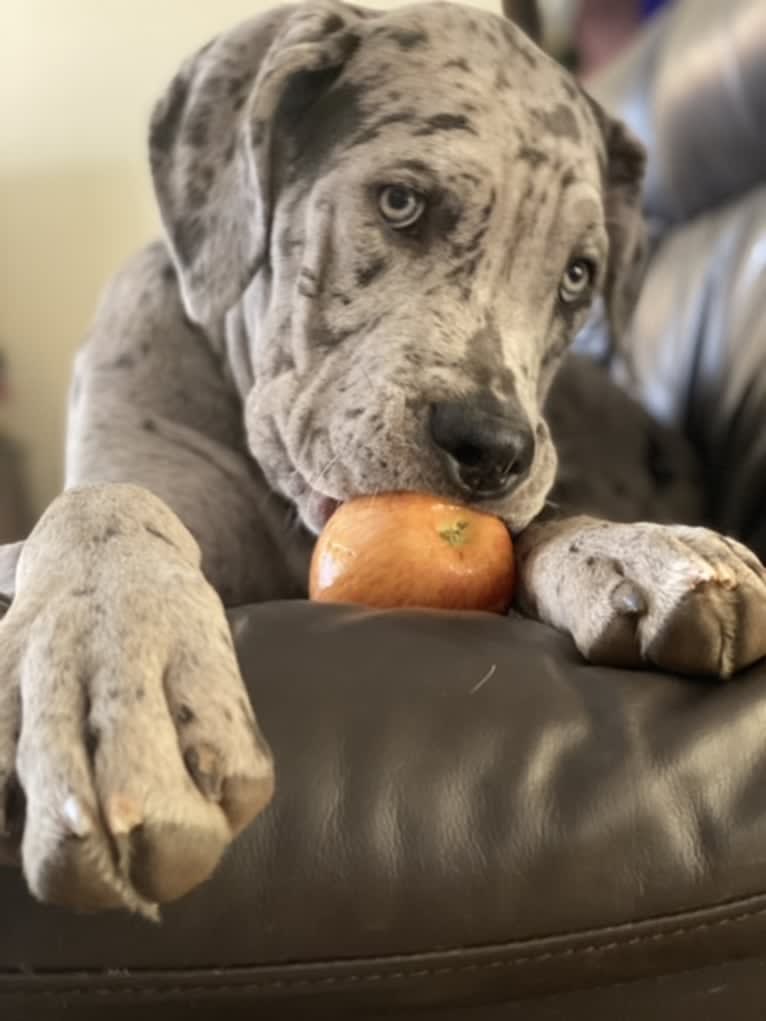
<point>466,812</point>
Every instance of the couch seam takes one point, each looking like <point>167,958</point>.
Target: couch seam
<point>379,976</point>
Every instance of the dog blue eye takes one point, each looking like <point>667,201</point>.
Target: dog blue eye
<point>400,206</point>
<point>577,280</point>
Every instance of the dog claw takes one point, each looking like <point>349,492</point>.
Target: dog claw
<point>628,599</point>
<point>77,818</point>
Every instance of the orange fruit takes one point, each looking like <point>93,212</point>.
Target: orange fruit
<point>413,549</point>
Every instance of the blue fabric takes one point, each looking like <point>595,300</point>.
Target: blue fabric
<point>650,7</point>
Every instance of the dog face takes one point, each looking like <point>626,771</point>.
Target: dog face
<point>408,215</point>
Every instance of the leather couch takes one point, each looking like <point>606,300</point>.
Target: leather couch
<point>470,821</point>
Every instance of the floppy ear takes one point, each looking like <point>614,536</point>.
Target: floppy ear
<point>526,14</point>
<point>623,178</point>
<point>211,143</point>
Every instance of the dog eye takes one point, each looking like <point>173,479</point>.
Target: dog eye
<point>400,206</point>
<point>577,280</point>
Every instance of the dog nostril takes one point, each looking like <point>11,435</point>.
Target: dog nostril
<point>468,455</point>
<point>488,453</point>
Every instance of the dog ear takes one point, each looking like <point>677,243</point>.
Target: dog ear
<point>623,175</point>
<point>526,14</point>
<point>212,137</point>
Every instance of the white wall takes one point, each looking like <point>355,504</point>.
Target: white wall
<point>77,82</point>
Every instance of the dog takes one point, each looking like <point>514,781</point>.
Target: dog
<point>383,231</point>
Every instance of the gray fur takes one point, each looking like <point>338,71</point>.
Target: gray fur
<point>279,351</point>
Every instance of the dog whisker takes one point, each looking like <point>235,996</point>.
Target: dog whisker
<point>315,483</point>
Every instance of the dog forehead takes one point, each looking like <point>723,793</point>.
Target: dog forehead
<point>454,85</point>
<point>447,67</point>
<point>460,44</point>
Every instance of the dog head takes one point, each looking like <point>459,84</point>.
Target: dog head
<point>409,214</point>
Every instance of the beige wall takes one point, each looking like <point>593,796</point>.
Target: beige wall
<point>77,81</point>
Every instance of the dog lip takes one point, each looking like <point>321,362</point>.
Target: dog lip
<point>321,506</point>
<point>325,506</point>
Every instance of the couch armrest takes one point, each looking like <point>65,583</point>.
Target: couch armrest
<point>693,87</point>
<point>697,351</point>
<point>465,813</point>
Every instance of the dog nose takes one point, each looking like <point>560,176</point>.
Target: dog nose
<point>490,454</point>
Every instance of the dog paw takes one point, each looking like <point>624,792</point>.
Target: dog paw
<point>682,599</point>
<point>129,755</point>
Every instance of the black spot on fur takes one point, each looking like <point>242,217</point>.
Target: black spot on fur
<point>169,273</point>
<point>484,357</point>
<point>590,562</point>
<point>534,157</point>
<point>446,122</point>
<point>332,23</point>
<point>366,274</point>
<point>559,122</point>
<point>574,548</point>
<point>416,166</point>
<point>372,130</point>
<point>568,179</point>
<point>460,64</point>
<point>196,131</point>
<point>502,84</point>
<point>235,85</point>
<point>184,715</point>
<point>473,245</point>
<point>159,535</point>
<point>195,196</point>
<point>447,215</point>
<point>332,119</point>
<point>110,532</point>
<point>464,271</point>
<point>167,119</point>
<point>355,413</point>
<point>408,39</point>
<point>125,361</point>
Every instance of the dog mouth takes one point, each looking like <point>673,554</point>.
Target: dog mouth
<point>318,509</point>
